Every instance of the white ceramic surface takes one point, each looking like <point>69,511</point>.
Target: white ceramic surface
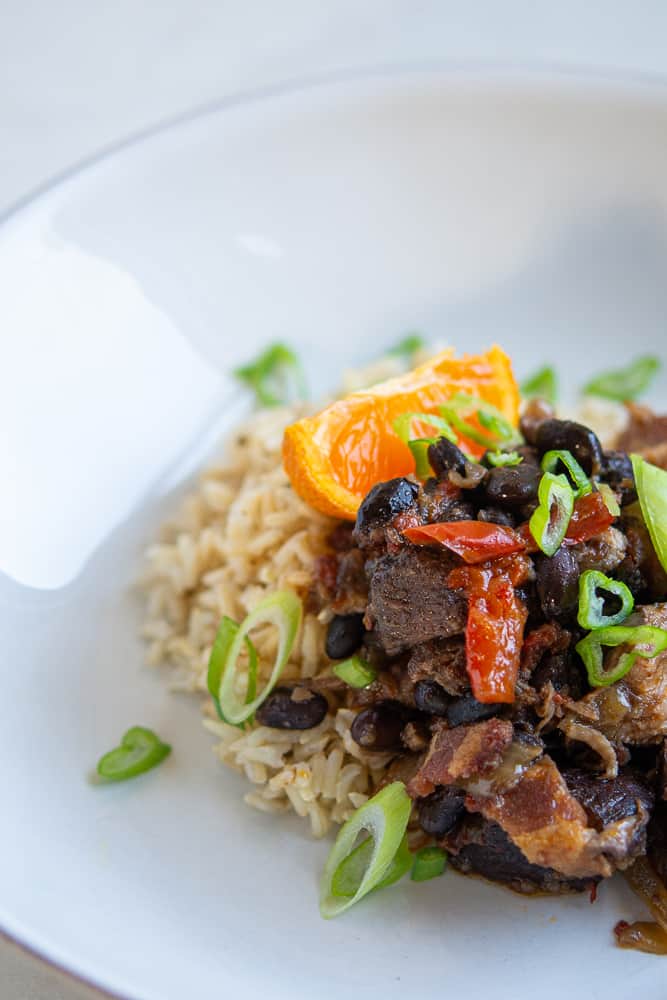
<point>531,212</point>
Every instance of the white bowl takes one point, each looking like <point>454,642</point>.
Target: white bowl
<point>475,208</point>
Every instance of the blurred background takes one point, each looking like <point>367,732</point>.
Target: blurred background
<point>77,76</point>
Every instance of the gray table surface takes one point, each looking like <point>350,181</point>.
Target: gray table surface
<point>76,76</point>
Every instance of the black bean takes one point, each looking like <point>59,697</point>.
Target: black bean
<point>444,456</point>
<point>530,455</point>
<point>438,813</point>
<point>567,435</point>
<point>562,671</point>
<point>379,726</point>
<point>385,501</point>
<point>496,515</point>
<point>344,636</point>
<point>558,583</point>
<point>468,709</point>
<point>431,697</point>
<point>282,711</point>
<point>617,470</point>
<point>513,486</point>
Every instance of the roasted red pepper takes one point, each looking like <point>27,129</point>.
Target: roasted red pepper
<point>496,620</point>
<point>590,517</point>
<point>474,541</point>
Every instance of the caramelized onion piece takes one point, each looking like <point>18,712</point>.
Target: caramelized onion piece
<point>647,884</point>
<point>642,936</point>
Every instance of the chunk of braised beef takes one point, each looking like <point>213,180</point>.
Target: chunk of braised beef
<point>568,435</point>
<point>344,635</point>
<point>483,848</point>
<point>535,412</point>
<point>380,506</point>
<point>616,470</point>
<point>467,709</point>
<point>379,727</point>
<point>605,552</point>
<point>409,601</point>
<point>512,486</point>
<point>558,583</point>
<point>431,697</point>
<point>439,812</point>
<point>340,538</point>
<point>444,456</point>
<point>442,661</point>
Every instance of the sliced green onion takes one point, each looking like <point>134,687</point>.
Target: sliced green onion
<point>347,877</point>
<point>269,376</point>
<point>419,448</point>
<point>403,426</point>
<point>385,817</point>
<point>488,416</point>
<point>550,519</point>
<point>609,497</point>
<point>591,604</point>
<point>644,640</point>
<point>356,672</point>
<point>624,383</point>
<point>542,384</point>
<point>221,646</point>
<point>408,346</point>
<point>651,485</point>
<point>429,863</point>
<point>499,459</point>
<point>282,609</point>
<point>140,750</point>
<point>578,478</point>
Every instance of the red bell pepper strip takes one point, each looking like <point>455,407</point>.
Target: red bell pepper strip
<point>496,620</point>
<point>474,541</point>
<point>590,517</point>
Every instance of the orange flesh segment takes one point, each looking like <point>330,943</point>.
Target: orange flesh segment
<point>333,458</point>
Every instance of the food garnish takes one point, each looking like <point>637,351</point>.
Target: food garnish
<point>542,384</point>
<point>429,863</point>
<point>651,484</point>
<point>355,671</point>
<point>591,604</point>
<point>335,457</point>
<point>549,522</point>
<point>642,640</point>
<point>272,375</point>
<point>624,384</point>
<point>222,644</point>
<point>579,481</point>
<point>282,609</point>
<point>385,817</point>
<point>140,750</point>
<point>408,346</point>
<point>474,541</point>
<point>347,877</point>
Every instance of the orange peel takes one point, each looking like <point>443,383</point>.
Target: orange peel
<point>333,459</point>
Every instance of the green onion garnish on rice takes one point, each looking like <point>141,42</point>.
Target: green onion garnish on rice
<point>356,672</point>
<point>624,383</point>
<point>385,817</point>
<point>282,609</point>
<point>140,750</point>
<point>542,384</point>
<point>273,374</point>
<point>221,646</point>
<point>429,863</point>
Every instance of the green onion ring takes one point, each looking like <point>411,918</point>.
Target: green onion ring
<point>644,640</point>
<point>548,523</point>
<point>429,863</point>
<point>542,384</point>
<point>624,383</point>
<point>139,751</point>
<point>578,478</point>
<point>355,671</point>
<point>590,614</point>
<point>219,652</point>
<point>385,817</point>
<point>501,459</point>
<point>651,484</point>
<point>282,609</point>
<point>347,877</point>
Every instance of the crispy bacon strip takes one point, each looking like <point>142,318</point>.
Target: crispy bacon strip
<point>457,755</point>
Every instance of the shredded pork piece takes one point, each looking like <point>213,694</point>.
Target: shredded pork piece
<point>595,740</point>
<point>458,754</point>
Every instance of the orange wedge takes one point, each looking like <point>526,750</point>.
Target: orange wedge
<point>335,457</point>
